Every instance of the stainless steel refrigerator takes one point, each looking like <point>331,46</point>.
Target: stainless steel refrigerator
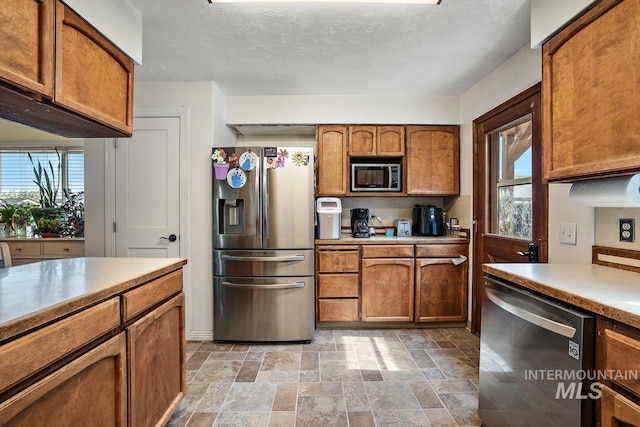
<point>263,239</point>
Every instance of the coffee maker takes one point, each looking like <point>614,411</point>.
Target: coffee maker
<point>360,222</point>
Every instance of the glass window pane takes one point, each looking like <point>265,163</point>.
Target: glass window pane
<point>510,180</point>
<point>515,211</point>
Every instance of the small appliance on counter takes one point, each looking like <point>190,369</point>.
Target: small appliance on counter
<point>403,228</point>
<point>329,211</point>
<point>360,222</point>
<point>427,221</point>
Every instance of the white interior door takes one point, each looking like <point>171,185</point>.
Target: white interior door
<point>147,199</point>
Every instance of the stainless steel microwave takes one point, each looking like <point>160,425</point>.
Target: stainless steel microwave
<point>380,177</point>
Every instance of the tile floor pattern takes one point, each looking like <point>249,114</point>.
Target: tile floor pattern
<point>351,378</point>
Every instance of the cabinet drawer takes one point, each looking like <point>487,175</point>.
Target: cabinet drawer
<point>338,310</point>
<point>338,261</point>
<point>68,395</point>
<point>23,249</point>
<point>616,410</point>
<point>622,354</point>
<point>387,251</point>
<point>18,360</point>
<point>337,285</point>
<point>138,300</point>
<point>434,251</point>
<point>64,248</point>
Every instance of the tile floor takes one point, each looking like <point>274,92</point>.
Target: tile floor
<point>354,378</point>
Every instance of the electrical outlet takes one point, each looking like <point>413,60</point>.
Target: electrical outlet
<point>568,233</point>
<point>627,229</point>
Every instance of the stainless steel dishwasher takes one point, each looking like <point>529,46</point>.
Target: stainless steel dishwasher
<point>536,360</point>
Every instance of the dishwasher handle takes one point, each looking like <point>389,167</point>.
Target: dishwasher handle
<point>543,322</point>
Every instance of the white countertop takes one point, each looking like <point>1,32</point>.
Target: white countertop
<point>607,291</point>
<point>36,293</point>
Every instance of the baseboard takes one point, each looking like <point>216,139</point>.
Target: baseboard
<point>200,336</point>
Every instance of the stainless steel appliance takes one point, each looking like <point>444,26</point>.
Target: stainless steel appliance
<point>536,358</point>
<point>427,221</point>
<point>373,177</point>
<point>263,239</point>
<point>360,222</point>
<point>329,215</point>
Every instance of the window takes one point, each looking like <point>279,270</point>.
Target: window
<point>511,203</point>
<point>16,172</point>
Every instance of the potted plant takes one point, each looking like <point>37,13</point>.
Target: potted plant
<point>48,227</point>
<point>6,218</point>
<point>220,165</point>
<point>73,223</point>
<point>21,218</point>
<point>48,182</point>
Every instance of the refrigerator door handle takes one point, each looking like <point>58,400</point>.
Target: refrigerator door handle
<point>263,258</point>
<point>265,203</point>
<point>540,321</point>
<point>266,286</point>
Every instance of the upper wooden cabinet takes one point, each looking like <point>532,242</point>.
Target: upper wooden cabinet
<point>58,74</point>
<point>433,160</point>
<point>27,43</point>
<point>332,160</point>
<point>366,141</point>
<point>590,94</point>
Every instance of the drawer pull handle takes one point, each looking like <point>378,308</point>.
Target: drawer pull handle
<point>18,249</point>
<point>66,249</point>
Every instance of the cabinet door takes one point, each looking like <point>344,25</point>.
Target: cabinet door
<point>617,411</point>
<point>441,290</point>
<point>332,160</point>
<point>362,140</point>
<point>390,141</point>
<point>387,290</point>
<point>590,94</point>
<point>433,160</point>
<point>157,376</point>
<point>90,390</point>
<point>26,43</point>
<point>92,77</point>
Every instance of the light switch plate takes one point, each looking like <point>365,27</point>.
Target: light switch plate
<point>568,233</point>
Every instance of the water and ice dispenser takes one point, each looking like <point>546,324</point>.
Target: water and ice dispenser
<point>329,212</point>
<point>231,215</point>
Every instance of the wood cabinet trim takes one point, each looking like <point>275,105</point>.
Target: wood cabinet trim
<point>387,251</point>
<point>144,297</point>
<point>19,361</point>
<point>115,348</point>
<point>42,82</point>
<point>616,410</point>
<point>146,406</point>
<point>67,18</point>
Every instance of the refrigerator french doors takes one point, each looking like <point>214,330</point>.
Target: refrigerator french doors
<point>263,238</point>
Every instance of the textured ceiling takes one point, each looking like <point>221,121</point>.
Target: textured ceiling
<point>331,49</point>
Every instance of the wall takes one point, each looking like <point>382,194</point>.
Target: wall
<point>117,20</point>
<point>206,110</point>
<point>607,227</point>
<point>547,16</point>
<point>254,110</point>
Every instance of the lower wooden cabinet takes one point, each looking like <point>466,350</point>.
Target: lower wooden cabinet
<point>90,390</point>
<point>387,289</point>
<point>156,349</point>
<point>441,290</point>
<point>338,283</point>
<point>617,411</point>
<point>27,250</point>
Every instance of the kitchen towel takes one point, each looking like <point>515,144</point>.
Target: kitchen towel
<point>614,192</point>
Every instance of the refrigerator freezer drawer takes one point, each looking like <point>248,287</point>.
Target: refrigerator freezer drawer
<point>263,262</point>
<point>263,309</point>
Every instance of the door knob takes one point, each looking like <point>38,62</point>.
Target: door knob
<point>532,253</point>
<point>171,238</point>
